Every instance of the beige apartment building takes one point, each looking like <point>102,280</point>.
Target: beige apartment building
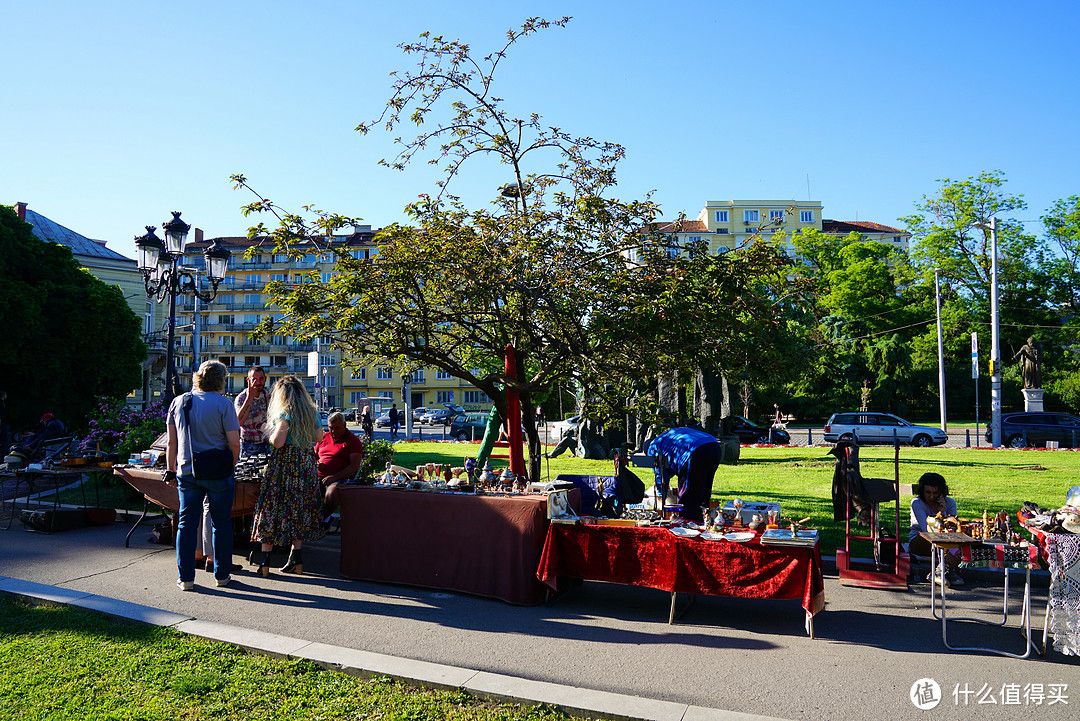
<point>223,330</point>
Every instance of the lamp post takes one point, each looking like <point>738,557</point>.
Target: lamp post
<point>165,276</point>
<point>995,336</point>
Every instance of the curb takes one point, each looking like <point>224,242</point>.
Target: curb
<point>574,701</point>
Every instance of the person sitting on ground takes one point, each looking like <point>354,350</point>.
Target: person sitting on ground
<point>338,454</point>
<point>931,498</point>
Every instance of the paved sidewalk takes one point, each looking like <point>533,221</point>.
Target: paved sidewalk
<point>603,649</point>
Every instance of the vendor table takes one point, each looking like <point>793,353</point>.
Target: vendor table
<point>1062,554</point>
<point>482,545</point>
<point>974,553</point>
<point>151,484</point>
<point>657,558</point>
<point>38,480</point>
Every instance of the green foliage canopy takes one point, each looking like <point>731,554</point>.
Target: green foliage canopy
<point>69,338</point>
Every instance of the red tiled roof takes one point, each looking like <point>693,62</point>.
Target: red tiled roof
<point>858,226</point>
<point>688,226</point>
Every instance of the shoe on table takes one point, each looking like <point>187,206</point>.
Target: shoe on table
<point>185,585</point>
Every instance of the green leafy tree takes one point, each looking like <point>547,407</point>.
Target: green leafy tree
<point>571,278</point>
<point>69,338</point>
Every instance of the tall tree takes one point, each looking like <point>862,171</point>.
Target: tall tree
<point>69,338</point>
<point>571,278</point>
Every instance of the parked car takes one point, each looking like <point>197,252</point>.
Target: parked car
<point>866,428</point>
<point>468,427</point>
<point>443,416</point>
<point>1020,430</point>
<point>417,412</point>
<point>324,418</point>
<point>749,433</point>
<point>558,428</point>
<point>383,421</point>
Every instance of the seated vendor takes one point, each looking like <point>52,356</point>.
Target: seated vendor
<point>932,498</point>
<point>338,456</point>
<point>693,455</point>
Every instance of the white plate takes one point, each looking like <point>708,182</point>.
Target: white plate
<point>685,532</point>
<point>740,536</point>
<point>712,536</point>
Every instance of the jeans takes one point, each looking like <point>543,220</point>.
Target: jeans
<point>192,492</point>
<point>393,429</point>
<point>250,448</point>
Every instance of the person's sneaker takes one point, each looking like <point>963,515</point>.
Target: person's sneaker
<point>222,582</point>
<point>185,585</point>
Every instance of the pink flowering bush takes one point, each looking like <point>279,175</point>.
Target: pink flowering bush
<point>117,427</point>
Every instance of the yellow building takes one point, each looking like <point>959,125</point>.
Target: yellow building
<point>223,328</point>
<point>727,224</point>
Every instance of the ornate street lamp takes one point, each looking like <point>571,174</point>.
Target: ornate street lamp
<point>164,276</point>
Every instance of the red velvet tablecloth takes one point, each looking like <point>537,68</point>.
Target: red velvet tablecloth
<point>482,545</point>
<point>657,558</point>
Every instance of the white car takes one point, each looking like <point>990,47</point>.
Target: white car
<point>864,428</point>
<point>558,428</point>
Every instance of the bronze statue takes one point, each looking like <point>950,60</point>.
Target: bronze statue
<point>1030,356</point>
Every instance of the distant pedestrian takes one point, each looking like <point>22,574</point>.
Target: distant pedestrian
<point>393,421</point>
<point>366,423</point>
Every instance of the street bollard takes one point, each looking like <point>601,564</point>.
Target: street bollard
<point>809,436</point>
<point>420,432</point>
<point>967,438</point>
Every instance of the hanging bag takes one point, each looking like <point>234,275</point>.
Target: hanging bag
<point>213,465</point>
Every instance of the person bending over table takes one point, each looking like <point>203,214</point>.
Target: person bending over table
<point>338,454</point>
<point>931,498</point>
<point>693,455</point>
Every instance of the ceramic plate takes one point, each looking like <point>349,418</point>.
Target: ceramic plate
<point>712,536</point>
<point>686,532</point>
<point>740,536</point>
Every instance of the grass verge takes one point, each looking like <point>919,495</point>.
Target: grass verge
<point>65,663</point>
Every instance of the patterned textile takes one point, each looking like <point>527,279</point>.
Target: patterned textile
<point>999,556</point>
<point>290,498</point>
<point>1063,552</point>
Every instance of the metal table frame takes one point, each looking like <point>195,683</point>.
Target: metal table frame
<point>76,474</point>
<point>937,560</point>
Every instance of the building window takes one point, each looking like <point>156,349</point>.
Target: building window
<point>326,360</point>
<point>326,257</point>
<point>251,360</point>
<point>226,319</point>
<point>776,215</point>
<point>281,257</point>
<point>356,396</point>
<point>444,396</point>
<point>476,397</point>
<point>442,375</point>
<point>806,216</point>
<point>417,376</point>
<point>325,277</point>
<point>226,360</point>
<point>721,216</point>
<point>254,278</point>
<point>384,374</point>
<point>226,340</point>
<point>277,361</point>
<point>359,374</point>
<point>331,381</point>
<point>896,239</point>
<point>281,277</point>
<point>751,216</point>
<point>253,298</point>
<point>389,395</point>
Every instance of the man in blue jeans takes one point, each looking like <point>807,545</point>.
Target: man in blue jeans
<point>393,421</point>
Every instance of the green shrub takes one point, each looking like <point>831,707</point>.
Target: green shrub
<point>376,455</point>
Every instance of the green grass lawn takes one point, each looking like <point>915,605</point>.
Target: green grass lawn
<point>67,663</point>
<point>800,478</point>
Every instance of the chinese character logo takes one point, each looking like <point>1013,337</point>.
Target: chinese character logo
<point>925,694</point>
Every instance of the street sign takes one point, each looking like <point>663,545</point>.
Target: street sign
<point>974,355</point>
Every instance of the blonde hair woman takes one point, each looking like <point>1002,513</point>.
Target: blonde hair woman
<point>288,507</point>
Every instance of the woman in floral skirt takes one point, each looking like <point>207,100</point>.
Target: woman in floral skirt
<point>288,507</point>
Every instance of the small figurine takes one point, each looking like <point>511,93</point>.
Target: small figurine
<point>388,477</point>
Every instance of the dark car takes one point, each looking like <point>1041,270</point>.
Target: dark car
<point>750,433</point>
<point>1021,430</point>
<point>469,427</point>
<point>443,416</point>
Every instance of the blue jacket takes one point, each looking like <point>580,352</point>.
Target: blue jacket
<point>675,447</point>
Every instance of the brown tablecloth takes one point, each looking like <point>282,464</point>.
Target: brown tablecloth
<point>150,483</point>
<point>482,545</point>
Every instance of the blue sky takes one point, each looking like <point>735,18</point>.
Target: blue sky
<point>115,113</point>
